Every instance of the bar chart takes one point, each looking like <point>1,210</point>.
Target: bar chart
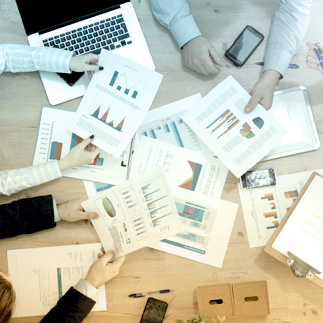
<point>157,204</point>
<point>120,82</point>
<point>172,130</point>
<point>272,214</point>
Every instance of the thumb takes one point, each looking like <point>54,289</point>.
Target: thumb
<point>215,56</point>
<point>93,68</point>
<point>107,256</point>
<point>90,215</point>
<point>251,104</point>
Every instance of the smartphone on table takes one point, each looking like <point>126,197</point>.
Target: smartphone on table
<point>154,311</point>
<point>244,45</point>
<point>258,178</point>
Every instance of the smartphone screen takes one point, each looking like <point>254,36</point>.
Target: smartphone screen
<point>154,311</point>
<point>258,178</point>
<point>244,46</point>
<point>71,78</point>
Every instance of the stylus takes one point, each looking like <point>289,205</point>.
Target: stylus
<point>289,65</point>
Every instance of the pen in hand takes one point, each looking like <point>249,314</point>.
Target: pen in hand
<point>319,56</point>
<point>162,291</point>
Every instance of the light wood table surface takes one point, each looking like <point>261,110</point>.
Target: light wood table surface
<point>22,95</point>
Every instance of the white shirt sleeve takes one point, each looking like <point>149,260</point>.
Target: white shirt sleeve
<point>23,58</point>
<point>287,32</point>
<point>15,180</point>
<point>176,16</point>
<point>87,289</point>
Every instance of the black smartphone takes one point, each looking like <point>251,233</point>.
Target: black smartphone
<point>154,311</point>
<point>71,78</point>
<point>244,45</point>
<point>258,178</point>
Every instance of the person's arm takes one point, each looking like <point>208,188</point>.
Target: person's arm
<point>15,180</point>
<point>24,58</point>
<point>176,16</point>
<point>30,215</point>
<point>288,29</point>
<point>77,303</point>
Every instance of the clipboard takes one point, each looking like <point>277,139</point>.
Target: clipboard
<point>299,268</point>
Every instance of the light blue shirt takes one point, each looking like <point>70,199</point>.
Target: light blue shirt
<point>288,29</point>
<point>23,58</point>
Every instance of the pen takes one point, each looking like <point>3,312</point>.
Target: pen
<point>289,65</point>
<point>319,56</point>
<point>162,291</point>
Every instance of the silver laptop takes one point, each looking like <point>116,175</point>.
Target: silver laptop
<point>82,27</point>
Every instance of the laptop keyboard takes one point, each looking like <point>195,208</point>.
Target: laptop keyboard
<point>109,34</point>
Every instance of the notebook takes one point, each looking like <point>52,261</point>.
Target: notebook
<point>81,28</point>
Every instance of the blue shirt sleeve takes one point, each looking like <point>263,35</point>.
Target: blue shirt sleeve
<point>176,16</point>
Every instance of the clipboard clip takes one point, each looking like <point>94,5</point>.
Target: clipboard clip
<point>300,268</point>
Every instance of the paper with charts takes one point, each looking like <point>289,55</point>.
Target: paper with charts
<point>55,140</point>
<point>190,173</point>
<point>115,102</point>
<point>264,207</point>
<point>206,231</point>
<point>43,275</point>
<point>166,124</point>
<point>239,139</point>
<point>134,213</point>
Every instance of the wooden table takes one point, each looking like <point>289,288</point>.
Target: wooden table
<point>22,96</point>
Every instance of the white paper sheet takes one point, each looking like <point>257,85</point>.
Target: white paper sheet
<point>115,102</point>
<point>206,233</point>
<point>43,275</point>
<point>55,140</point>
<point>166,124</point>
<point>190,174</point>
<point>265,207</point>
<point>239,139</point>
<point>302,234</point>
<point>134,213</point>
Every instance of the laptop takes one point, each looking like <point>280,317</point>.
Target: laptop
<point>82,28</point>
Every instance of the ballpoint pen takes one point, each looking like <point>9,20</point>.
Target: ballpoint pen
<point>319,56</point>
<point>289,65</point>
<point>162,291</point>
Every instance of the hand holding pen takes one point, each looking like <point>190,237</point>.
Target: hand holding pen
<point>314,58</point>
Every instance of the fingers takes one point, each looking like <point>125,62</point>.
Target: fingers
<point>251,104</point>
<point>106,257</point>
<point>89,215</point>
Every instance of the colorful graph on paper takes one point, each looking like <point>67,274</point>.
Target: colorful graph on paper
<point>121,82</point>
<point>155,201</point>
<point>191,182</point>
<point>223,124</point>
<point>272,214</point>
<point>190,211</point>
<point>104,117</point>
<point>70,141</point>
<point>172,130</point>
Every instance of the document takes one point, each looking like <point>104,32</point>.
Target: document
<point>264,207</point>
<point>134,213</point>
<point>166,124</point>
<point>190,173</point>
<point>302,234</point>
<point>115,102</point>
<point>43,275</point>
<point>238,139</point>
<point>55,140</point>
<point>206,231</point>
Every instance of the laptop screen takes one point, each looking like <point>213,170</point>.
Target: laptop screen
<point>39,15</point>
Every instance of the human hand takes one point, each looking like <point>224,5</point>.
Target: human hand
<point>102,270</point>
<point>84,63</point>
<point>201,57</point>
<point>263,91</point>
<point>312,60</point>
<point>72,211</point>
<point>82,154</point>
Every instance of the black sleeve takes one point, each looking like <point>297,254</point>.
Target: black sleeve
<point>26,216</point>
<point>73,307</point>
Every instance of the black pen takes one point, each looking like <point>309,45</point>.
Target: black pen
<point>162,291</point>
